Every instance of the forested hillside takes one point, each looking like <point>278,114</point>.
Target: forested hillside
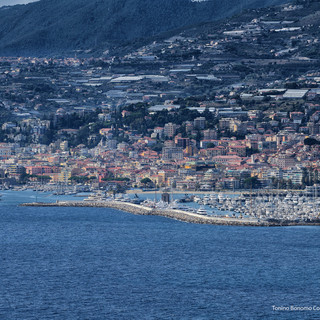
<point>60,26</point>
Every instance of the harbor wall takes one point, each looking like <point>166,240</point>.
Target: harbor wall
<point>172,214</point>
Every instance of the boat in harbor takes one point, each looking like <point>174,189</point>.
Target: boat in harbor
<point>202,211</point>
<point>186,198</point>
<point>174,205</point>
<point>136,200</point>
<point>197,199</point>
<point>98,197</point>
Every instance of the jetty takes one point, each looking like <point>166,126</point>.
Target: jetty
<point>180,215</point>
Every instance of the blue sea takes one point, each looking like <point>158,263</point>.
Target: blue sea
<point>98,263</point>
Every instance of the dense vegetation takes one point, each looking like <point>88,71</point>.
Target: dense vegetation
<point>60,26</point>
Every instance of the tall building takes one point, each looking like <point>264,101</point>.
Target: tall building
<point>284,161</point>
<point>170,129</point>
<point>182,142</point>
<point>199,123</point>
<point>209,134</point>
<point>172,153</point>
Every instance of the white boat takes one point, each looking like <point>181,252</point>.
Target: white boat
<point>202,211</point>
<point>196,199</point>
<point>174,205</point>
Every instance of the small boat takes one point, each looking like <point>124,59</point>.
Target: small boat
<point>174,205</point>
<point>196,199</point>
<point>186,198</point>
<point>202,211</point>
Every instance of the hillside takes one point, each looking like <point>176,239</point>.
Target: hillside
<point>61,26</point>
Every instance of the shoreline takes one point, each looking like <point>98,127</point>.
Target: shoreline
<point>225,192</point>
<point>179,215</point>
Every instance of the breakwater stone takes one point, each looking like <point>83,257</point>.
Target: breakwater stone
<point>173,214</point>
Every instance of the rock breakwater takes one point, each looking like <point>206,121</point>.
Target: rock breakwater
<point>173,214</point>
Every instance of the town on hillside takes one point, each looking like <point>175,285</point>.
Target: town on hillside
<point>227,106</point>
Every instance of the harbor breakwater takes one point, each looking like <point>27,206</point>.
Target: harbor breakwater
<point>174,214</point>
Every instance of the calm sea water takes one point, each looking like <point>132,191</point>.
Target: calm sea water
<point>96,263</point>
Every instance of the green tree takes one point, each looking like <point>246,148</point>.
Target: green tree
<point>251,183</point>
<point>146,181</point>
<point>79,179</point>
<point>310,142</point>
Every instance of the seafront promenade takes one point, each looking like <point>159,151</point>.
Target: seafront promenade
<point>174,214</point>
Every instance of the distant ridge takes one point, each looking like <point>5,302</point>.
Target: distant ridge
<point>61,26</point>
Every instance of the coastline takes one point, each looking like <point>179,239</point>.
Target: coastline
<point>237,192</point>
<point>175,214</point>
<point>141,191</point>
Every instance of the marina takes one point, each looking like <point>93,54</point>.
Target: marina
<point>200,216</point>
<point>267,208</point>
<point>288,207</point>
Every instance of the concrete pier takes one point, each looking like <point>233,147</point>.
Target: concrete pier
<point>174,214</point>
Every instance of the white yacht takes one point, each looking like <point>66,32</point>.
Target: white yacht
<point>202,211</point>
<point>196,199</point>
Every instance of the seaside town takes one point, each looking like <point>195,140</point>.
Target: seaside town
<point>204,110</point>
<point>159,159</point>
